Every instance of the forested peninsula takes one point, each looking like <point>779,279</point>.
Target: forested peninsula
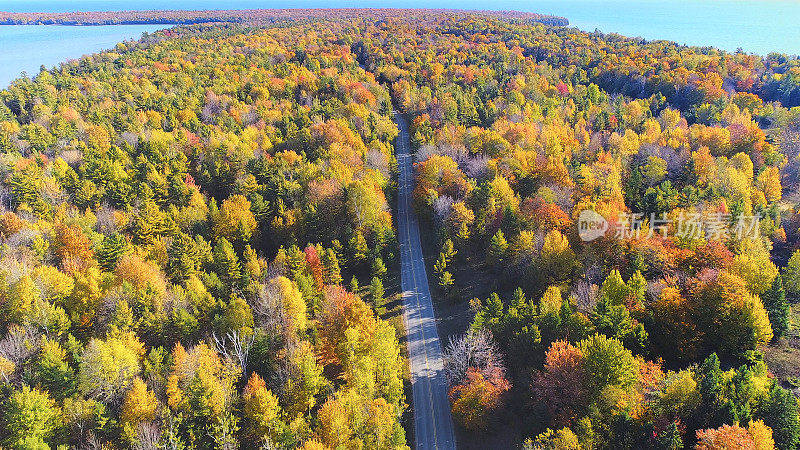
<point>199,243</point>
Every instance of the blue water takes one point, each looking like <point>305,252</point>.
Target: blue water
<point>755,26</point>
<point>27,47</point>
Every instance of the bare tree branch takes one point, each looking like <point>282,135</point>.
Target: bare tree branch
<point>474,349</point>
<point>235,346</point>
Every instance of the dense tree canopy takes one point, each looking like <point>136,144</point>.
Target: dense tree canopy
<point>179,214</point>
<point>690,157</point>
<point>175,237</point>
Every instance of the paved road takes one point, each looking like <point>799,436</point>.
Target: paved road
<point>432,422</point>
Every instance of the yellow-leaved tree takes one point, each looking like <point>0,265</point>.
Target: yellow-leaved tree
<point>140,405</point>
<point>108,367</point>
<point>262,412</point>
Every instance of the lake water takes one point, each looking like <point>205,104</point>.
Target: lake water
<point>756,26</point>
<point>27,47</point>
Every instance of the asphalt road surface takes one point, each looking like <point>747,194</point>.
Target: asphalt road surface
<point>433,425</point>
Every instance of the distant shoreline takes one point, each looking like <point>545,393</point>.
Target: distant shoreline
<point>244,16</point>
<point>40,24</point>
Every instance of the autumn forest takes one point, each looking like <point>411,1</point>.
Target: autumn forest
<point>199,244</point>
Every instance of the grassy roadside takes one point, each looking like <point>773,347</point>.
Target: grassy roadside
<point>393,309</point>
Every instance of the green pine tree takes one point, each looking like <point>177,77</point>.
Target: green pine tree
<point>227,263</point>
<point>497,249</point>
<point>333,273</point>
<point>111,250</point>
<point>448,251</point>
<point>378,267</point>
<point>670,438</point>
<point>779,412</point>
<point>359,248</point>
<point>376,291</point>
<point>777,307</point>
